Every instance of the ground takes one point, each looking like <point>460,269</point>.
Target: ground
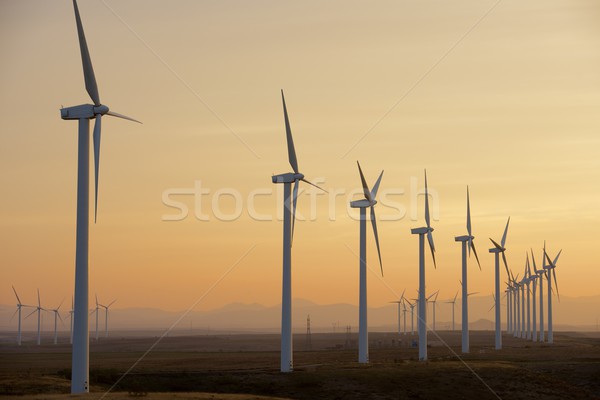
<point>233,367</point>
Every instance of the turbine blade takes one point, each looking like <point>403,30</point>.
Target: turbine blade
<point>18,299</point>
<point>294,199</point>
<point>475,252</point>
<point>376,187</point>
<point>312,184</point>
<point>533,260</point>
<point>96,301</point>
<point>468,214</point>
<point>114,114</point>
<point>455,296</point>
<point>290,140</point>
<point>503,242</point>
<point>366,190</point>
<point>111,303</point>
<point>505,263</point>
<point>88,70</point>
<point>374,223</point>
<point>431,247</point>
<point>15,313</point>
<point>555,283</point>
<point>496,244</point>
<point>31,313</point>
<point>427,217</point>
<point>96,137</point>
<point>39,302</point>
<point>528,264</point>
<point>556,258</point>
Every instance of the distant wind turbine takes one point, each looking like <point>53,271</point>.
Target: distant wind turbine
<point>39,310</point>
<point>412,316</point>
<point>422,322</point>
<point>534,280</point>
<point>434,302</point>
<point>400,302</point>
<point>368,202</point>
<point>466,243</point>
<point>497,250</point>
<point>551,272</point>
<point>289,217</point>
<point>71,322</point>
<point>56,317</point>
<point>453,302</point>
<point>19,307</point>
<point>106,316</point>
<point>541,273</point>
<point>84,113</point>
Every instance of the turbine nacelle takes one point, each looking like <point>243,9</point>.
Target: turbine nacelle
<point>363,203</point>
<point>85,111</point>
<point>288,177</point>
<point>419,231</point>
<point>464,238</point>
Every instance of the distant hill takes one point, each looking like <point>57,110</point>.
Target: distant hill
<point>580,313</point>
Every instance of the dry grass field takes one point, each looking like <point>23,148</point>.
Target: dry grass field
<point>233,367</point>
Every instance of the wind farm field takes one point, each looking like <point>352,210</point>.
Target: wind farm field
<point>246,366</point>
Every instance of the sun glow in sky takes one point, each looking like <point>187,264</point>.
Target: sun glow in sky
<point>502,96</point>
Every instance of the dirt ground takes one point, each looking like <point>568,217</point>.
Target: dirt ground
<point>229,367</point>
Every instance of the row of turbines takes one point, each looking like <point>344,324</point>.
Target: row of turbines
<point>57,316</point>
<point>86,112</point>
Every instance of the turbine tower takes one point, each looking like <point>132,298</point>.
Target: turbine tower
<point>434,302</point>
<point>466,242</point>
<point>289,216</point>
<point>497,250</point>
<point>19,307</point>
<point>83,113</point>
<point>551,272</point>
<point>422,322</point>
<point>368,202</point>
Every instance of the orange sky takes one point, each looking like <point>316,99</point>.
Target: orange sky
<point>501,96</point>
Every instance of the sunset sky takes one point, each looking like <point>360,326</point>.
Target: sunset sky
<point>503,96</point>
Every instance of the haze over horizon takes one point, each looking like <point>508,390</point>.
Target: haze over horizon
<point>500,96</point>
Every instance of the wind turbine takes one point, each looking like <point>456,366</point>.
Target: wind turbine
<point>404,309</point>
<point>71,322</point>
<point>96,310</point>
<point>39,310</point>
<point>509,300</point>
<point>517,286</point>
<point>106,316</point>
<point>522,332</point>
<point>422,322</point>
<point>497,249</point>
<point>534,279</point>
<point>400,302</point>
<point>434,302</point>
<point>551,272</point>
<point>19,307</point>
<point>541,273</point>
<point>453,302</point>
<point>56,316</point>
<point>466,242</point>
<point>412,316</point>
<point>368,202</point>
<point>528,290</point>
<point>84,113</point>
<point>289,216</point>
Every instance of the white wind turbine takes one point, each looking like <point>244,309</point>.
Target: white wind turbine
<point>453,302</point>
<point>528,290</point>
<point>289,216</point>
<point>106,316</point>
<point>412,316</point>
<point>434,302</point>
<point>534,280</point>
<point>400,302</point>
<point>466,242</point>
<point>19,307</point>
<point>39,310</point>
<point>84,113</point>
<point>541,273</point>
<point>422,321</point>
<point>517,306</point>
<point>551,272</point>
<point>368,202</point>
<point>56,317</point>
<point>404,309</point>
<point>497,249</point>
<point>509,290</point>
<point>71,322</point>
<point>97,311</point>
